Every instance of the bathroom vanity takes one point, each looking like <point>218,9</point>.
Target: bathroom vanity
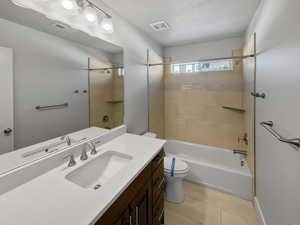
<point>142,203</point>
<point>122,183</point>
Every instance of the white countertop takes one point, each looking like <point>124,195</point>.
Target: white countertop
<point>11,160</point>
<point>50,199</point>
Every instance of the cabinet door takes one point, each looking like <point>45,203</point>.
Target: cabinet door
<point>158,211</point>
<point>119,222</point>
<point>141,207</point>
<point>124,219</point>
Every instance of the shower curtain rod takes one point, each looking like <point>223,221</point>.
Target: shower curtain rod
<point>203,60</point>
<point>108,68</point>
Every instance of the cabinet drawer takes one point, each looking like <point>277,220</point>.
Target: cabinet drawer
<point>156,162</point>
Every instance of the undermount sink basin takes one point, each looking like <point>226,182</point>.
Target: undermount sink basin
<point>95,173</point>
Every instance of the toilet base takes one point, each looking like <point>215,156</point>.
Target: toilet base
<point>174,190</point>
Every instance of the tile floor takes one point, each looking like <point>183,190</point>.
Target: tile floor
<point>205,206</point>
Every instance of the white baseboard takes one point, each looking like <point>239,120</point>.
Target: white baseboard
<point>259,212</point>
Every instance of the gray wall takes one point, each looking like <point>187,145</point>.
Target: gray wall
<point>278,75</point>
<point>58,54</point>
<point>46,72</point>
<point>204,50</point>
<point>135,44</point>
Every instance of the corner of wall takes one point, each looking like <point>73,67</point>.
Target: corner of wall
<point>254,21</point>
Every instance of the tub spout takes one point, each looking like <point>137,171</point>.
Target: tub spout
<point>240,152</point>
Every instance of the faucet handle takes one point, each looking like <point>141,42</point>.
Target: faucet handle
<point>72,161</point>
<point>245,139</point>
<point>67,139</point>
<point>93,148</point>
<point>83,156</point>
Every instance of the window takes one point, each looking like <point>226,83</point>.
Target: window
<point>221,65</point>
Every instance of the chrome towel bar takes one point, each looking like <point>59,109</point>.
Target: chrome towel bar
<point>268,125</point>
<point>50,107</point>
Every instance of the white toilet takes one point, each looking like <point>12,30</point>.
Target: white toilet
<point>175,170</point>
<point>174,189</point>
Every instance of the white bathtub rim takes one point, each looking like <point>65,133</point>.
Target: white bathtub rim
<point>210,164</point>
<point>218,188</point>
<point>202,145</point>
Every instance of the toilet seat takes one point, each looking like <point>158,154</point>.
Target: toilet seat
<point>180,166</point>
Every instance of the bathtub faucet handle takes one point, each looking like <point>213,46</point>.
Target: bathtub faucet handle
<point>245,139</point>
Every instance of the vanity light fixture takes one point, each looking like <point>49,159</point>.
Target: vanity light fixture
<point>85,9</point>
<point>90,13</point>
<point>68,4</point>
<point>70,7</point>
<point>107,25</point>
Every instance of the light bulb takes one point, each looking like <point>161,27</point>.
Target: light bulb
<point>68,4</point>
<point>107,25</point>
<point>90,14</point>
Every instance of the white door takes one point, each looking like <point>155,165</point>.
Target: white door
<point>6,100</point>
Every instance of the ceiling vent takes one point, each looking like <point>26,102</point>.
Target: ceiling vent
<point>160,26</point>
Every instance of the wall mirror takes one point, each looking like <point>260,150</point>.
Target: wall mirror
<point>55,81</point>
<point>106,85</point>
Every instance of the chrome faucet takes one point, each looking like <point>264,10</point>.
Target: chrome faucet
<point>67,140</point>
<point>72,161</point>
<point>241,152</point>
<point>92,146</point>
<point>83,156</point>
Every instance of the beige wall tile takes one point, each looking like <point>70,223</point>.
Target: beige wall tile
<point>157,98</point>
<point>105,86</point>
<point>196,101</point>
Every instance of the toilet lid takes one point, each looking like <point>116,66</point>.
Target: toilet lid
<point>179,164</point>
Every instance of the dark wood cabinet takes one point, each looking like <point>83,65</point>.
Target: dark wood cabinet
<point>124,219</point>
<point>141,207</point>
<point>142,203</point>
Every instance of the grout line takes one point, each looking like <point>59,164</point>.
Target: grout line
<point>220,216</point>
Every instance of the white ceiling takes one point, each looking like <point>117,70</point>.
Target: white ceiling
<point>30,18</point>
<point>190,20</point>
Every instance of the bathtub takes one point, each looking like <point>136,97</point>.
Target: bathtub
<point>214,167</point>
